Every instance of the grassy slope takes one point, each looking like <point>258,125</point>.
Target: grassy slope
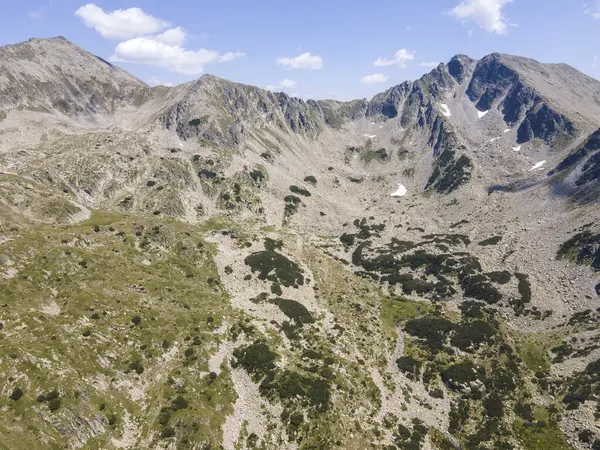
<point>68,324</point>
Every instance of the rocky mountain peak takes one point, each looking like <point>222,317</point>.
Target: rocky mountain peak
<point>460,67</point>
<point>56,76</point>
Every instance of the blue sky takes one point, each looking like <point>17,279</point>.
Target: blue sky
<point>321,49</point>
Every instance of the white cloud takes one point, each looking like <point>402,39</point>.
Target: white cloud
<point>285,84</point>
<point>173,36</point>
<point>288,83</point>
<point>157,51</point>
<point>431,64</point>
<point>374,79</point>
<point>303,61</point>
<point>595,62</point>
<point>485,13</point>
<point>120,23</point>
<point>593,9</point>
<point>147,42</point>
<point>36,14</point>
<point>231,56</point>
<point>155,81</point>
<point>401,57</point>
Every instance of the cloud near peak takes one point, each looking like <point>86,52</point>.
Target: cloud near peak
<point>284,84</point>
<point>401,58</point>
<point>120,23</point>
<point>487,14</point>
<point>148,40</point>
<point>374,78</point>
<point>154,51</point>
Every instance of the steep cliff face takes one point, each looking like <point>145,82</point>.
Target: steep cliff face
<point>389,103</point>
<point>460,67</point>
<point>495,83</point>
<point>583,166</point>
<point>541,122</point>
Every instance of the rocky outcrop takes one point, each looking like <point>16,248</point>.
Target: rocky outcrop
<point>591,145</point>
<point>390,102</point>
<point>495,82</point>
<point>541,122</point>
<point>459,67</point>
<point>491,80</point>
<point>450,172</point>
<point>336,113</point>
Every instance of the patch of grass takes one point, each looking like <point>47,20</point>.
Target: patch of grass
<point>534,352</point>
<point>396,310</point>
<point>543,433</point>
<point>172,296</point>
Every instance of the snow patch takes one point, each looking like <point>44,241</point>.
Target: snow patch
<point>370,136</point>
<point>538,165</point>
<point>494,139</point>
<point>400,192</point>
<point>480,114</point>
<point>507,130</point>
<point>517,148</point>
<point>445,110</point>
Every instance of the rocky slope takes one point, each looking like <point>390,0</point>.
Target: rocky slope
<point>240,268</point>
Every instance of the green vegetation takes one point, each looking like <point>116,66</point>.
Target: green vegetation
<point>89,286</point>
<point>502,277</point>
<point>542,432</point>
<point>433,331</point>
<point>275,267</point>
<point>294,310</point>
<point>450,173</point>
<point>310,179</point>
<point>583,248</point>
<point>410,366</point>
<point>490,241</point>
<point>291,205</point>
<point>380,155</point>
<point>300,191</point>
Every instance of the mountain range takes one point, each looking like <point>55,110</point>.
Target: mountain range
<point>215,265</point>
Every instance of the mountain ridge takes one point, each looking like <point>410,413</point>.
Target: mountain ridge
<point>225,260</point>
